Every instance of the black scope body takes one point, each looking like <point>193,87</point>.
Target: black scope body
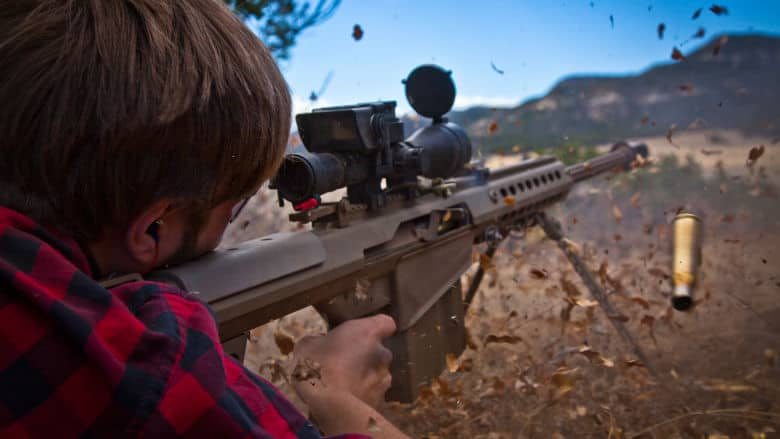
<point>358,146</point>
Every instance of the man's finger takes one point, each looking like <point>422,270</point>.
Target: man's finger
<point>382,325</point>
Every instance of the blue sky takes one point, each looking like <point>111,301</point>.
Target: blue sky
<point>535,43</point>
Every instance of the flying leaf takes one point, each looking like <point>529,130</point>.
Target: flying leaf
<point>496,69</point>
<point>634,200</point>
<point>696,14</point>
<point>595,357</point>
<point>718,44</point>
<point>357,32</point>
<point>486,262</point>
<point>670,132</point>
<point>284,342</point>
<point>452,363</point>
<point>616,213</point>
<point>612,21</point>
<point>585,303</point>
<point>633,363</point>
<point>719,10</point>
<point>755,153</point>
<point>661,29</point>
<point>509,200</point>
<point>687,88</point>
<point>677,55</point>
<point>699,33</point>
<point>617,237</point>
<point>492,127</point>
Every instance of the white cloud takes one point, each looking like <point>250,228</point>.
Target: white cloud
<point>462,102</point>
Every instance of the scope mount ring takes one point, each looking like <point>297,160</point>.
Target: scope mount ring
<point>430,91</point>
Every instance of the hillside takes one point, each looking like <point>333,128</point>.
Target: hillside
<point>735,88</point>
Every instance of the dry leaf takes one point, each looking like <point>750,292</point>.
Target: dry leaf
<point>617,236</point>
<point>284,342</point>
<point>720,43</point>
<point>492,127</point>
<point>696,14</point>
<point>677,55</point>
<point>686,88</point>
<point>661,29</point>
<point>642,302</point>
<point>771,357</point>
<point>719,10</point>
<point>486,262</point>
<point>755,153</point>
<point>585,303</point>
<point>357,32</point>
<point>510,339</point>
<point>595,357</point>
<point>452,363</point>
<point>564,380</point>
<point>634,200</point>
<point>699,33</point>
<point>633,363</point>
<point>537,273</point>
<point>670,132</point>
<point>616,213</point>
<point>509,200</point>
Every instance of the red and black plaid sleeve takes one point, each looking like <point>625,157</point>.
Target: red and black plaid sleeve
<point>77,360</point>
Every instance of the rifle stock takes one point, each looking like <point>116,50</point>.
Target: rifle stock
<point>405,260</point>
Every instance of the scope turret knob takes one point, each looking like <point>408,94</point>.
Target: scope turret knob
<point>430,91</point>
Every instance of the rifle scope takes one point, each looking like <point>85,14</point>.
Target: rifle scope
<point>357,146</point>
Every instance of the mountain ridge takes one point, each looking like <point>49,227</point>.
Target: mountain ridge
<point>730,82</point>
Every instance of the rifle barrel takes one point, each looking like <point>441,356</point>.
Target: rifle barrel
<point>621,156</point>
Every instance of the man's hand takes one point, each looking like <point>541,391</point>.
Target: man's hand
<point>350,358</point>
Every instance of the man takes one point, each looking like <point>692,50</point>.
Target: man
<point>129,131</point>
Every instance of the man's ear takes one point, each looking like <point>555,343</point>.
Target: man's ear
<point>143,234</point>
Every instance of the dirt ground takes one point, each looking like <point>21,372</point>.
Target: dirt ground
<point>546,361</point>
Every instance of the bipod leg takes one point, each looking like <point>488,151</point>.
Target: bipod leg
<point>493,237</point>
<point>553,231</point>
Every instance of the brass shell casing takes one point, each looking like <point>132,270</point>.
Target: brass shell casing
<point>686,258</point>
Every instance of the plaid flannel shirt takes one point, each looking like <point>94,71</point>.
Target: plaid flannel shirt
<point>143,359</point>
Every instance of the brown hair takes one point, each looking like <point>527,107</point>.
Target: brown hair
<point>109,106</point>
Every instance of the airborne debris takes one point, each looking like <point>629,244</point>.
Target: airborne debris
<point>718,44</point>
<point>670,132</point>
<point>510,200</point>
<point>755,153</point>
<point>719,10</point>
<point>699,33</point>
<point>677,55</point>
<point>612,21</point>
<point>634,200</point>
<point>616,213</point>
<point>696,14</point>
<point>492,127</point>
<point>595,357</point>
<point>496,69</point>
<point>357,32</point>
<point>661,29</point>
<point>687,88</point>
